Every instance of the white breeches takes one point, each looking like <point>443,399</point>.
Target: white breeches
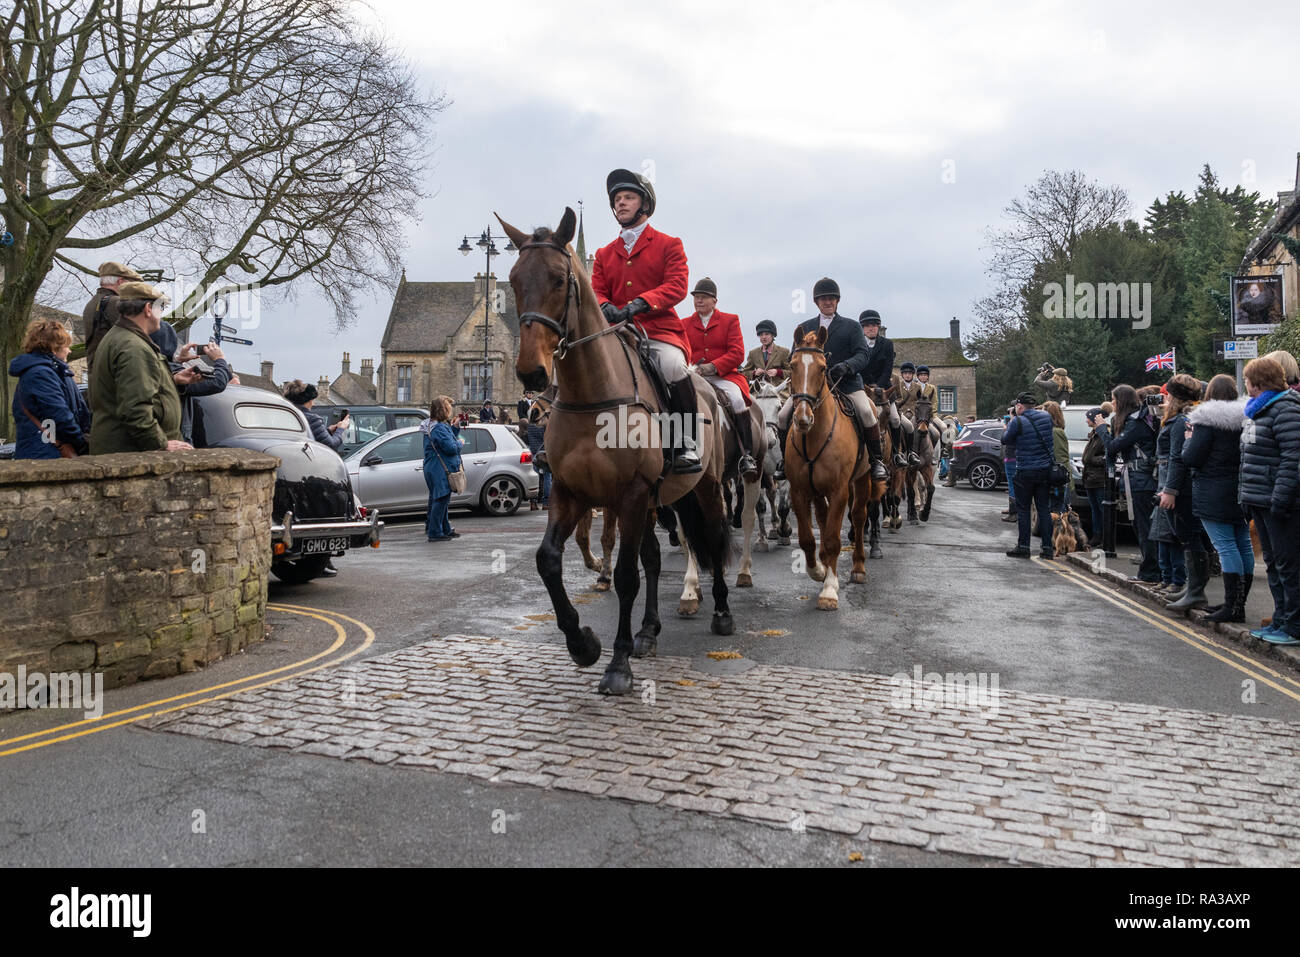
<point>672,361</point>
<point>860,404</point>
<point>730,390</point>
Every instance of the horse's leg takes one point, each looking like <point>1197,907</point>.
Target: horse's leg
<point>874,508</point>
<point>582,535</point>
<point>689,603</point>
<point>644,641</point>
<point>929,497</point>
<point>760,510</point>
<point>717,540</point>
<point>749,505</point>
<point>737,516</point>
<point>830,518</point>
<point>857,522</point>
<point>911,499</point>
<point>807,541</point>
<point>583,645</point>
<point>608,528</point>
<point>783,512</point>
<point>633,513</point>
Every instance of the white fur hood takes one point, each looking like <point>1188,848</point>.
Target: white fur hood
<point>1220,414</point>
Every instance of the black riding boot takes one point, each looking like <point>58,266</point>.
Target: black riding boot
<point>748,468</point>
<point>685,459</point>
<point>913,459</point>
<point>876,453</point>
<point>781,433</point>
<point>896,440</point>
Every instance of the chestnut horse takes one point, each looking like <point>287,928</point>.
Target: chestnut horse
<point>827,468</point>
<point>605,448</point>
<point>920,478</point>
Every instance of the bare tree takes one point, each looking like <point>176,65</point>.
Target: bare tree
<point>249,142</point>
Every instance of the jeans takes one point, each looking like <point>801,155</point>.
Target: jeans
<point>1096,510</point>
<point>1010,469</point>
<point>1173,563</point>
<point>436,525</point>
<point>543,486</point>
<point>1280,538</point>
<point>1143,503</point>
<point>1034,487</point>
<point>1232,542</point>
<point>1059,498</point>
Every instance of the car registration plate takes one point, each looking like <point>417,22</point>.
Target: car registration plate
<point>313,546</point>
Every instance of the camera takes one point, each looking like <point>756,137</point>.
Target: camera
<point>1154,399</point>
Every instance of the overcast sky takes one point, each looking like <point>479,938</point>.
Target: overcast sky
<point>873,143</point>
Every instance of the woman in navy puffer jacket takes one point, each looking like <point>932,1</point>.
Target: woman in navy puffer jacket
<point>1270,480</point>
<point>47,392</point>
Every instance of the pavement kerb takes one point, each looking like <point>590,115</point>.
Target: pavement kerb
<point>1235,632</point>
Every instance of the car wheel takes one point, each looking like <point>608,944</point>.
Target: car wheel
<point>301,571</point>
<point>501,496</point>
<point>983,476</point>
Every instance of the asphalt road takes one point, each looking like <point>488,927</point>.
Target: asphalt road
<point>945,598</point>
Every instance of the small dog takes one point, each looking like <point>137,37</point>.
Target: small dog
<point>1067,533</point>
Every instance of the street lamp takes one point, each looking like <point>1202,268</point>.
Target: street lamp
<point>486,242</point>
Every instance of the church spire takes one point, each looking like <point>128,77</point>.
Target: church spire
<point>582,244</point>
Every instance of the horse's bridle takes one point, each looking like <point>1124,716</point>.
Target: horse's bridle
<point>814,400</point>
<point>572,296</point>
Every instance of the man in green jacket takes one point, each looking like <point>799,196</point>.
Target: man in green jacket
<point>133,399</point>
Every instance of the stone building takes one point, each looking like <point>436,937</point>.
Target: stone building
<point>1267,257</point>
<point>264,379</point>
<point>950,370</point>
<point>434,344</point>
<point>351,388</point>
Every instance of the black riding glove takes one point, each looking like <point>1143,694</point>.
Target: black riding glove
<point>611,312</point>
<point>840,371</point>
<point>637,305</point>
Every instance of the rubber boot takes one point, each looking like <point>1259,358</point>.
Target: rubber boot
<point>685,460</point>
<point>1198,575</point>
<point>1231,589</point>
<point>748,468</point>
<point>876,453</point>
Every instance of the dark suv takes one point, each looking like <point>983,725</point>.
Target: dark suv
<point>977,455</point>
<point>369,421</point>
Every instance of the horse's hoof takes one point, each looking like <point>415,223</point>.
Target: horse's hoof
<point>597,565</point>
<point>858,578</point>
<point>736,522</point>
<point>762,546</point>
<point>817,572</point>
<point>688,607</point>
<point>773,535</point>
<point>722,624</point>
<point>876,553</point>
<point>585,649</point>
<point>644,645</point>
<point>616,681</point>
<point>602,584</point>
<point>744,580</point>
<point>828,604</point>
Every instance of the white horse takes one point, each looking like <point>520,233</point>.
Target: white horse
<point>770,398</point>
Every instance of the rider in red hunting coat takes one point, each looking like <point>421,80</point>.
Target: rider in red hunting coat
<point>717,349</point>
<point>642,276</point>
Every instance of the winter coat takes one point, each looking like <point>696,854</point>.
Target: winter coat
<point>1094,463</point>
<point>133,399</point>
<point>844,343</point>
<point>720,342</point>
<point>1055,392</point>
<point>656,271</point>
<point>319,431</point>
<point>1174,476</point>
<point>1213,453</point>
<point>441,455</point>
<point>1030,434</point>
<point>880,367</point>
<point>1270,454</point>
<point>1060,447</point>
<point>99,315</point>
<point>907,399</point>
<point>48,390</point>
<point>1135,446</point>
<point>778,357</point>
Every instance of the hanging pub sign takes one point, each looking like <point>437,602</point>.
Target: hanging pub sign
<point>1257,306</point>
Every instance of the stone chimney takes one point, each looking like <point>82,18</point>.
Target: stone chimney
<point>368,371</point>
<point>346,363</point>
<point>323,390</point>
<point>267,370</point>
<point>954,333</point>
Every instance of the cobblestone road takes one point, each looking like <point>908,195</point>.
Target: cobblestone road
<point>1026,778</point>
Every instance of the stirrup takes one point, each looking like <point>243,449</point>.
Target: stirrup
<point>686,462</point>
<point>751,473</point>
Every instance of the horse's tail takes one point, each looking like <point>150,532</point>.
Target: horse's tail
<point>702,535</point>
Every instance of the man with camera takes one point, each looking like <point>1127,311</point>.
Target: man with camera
<point>192,378</point>
<point>1030,435</point>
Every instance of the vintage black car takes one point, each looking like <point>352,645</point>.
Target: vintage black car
<point>315,514</point>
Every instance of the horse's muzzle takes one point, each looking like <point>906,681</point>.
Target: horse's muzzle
<point>535,380</point>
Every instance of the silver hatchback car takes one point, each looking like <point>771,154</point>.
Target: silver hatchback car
<point>387,473</point>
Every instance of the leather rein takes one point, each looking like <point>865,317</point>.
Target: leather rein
<point>815,401</point>
<point>573,297</point>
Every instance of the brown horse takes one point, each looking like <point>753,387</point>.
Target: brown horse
<point>825,464</point>
<point>920,478</point>
<point>885,496</point>
<point>605,448</point>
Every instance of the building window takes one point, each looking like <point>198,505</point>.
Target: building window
<point>947,399</point>
<point>476,382</point>
<point>404,383</point>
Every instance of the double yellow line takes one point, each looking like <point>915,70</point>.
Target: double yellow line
<point>152,709</point>
<point>1231,657</point>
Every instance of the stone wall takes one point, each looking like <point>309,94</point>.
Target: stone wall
<point>139,566</point>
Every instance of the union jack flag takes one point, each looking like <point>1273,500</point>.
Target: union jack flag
<point>1165,361</point>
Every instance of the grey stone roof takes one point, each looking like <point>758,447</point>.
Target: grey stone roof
<point>426,314</point>
<point>351,389</point>
<point>257,382</point>
<point>935,353</point>
<point>68,319</point>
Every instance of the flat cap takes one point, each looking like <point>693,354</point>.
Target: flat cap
<point>109,269</point>
<point>139,290</point>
